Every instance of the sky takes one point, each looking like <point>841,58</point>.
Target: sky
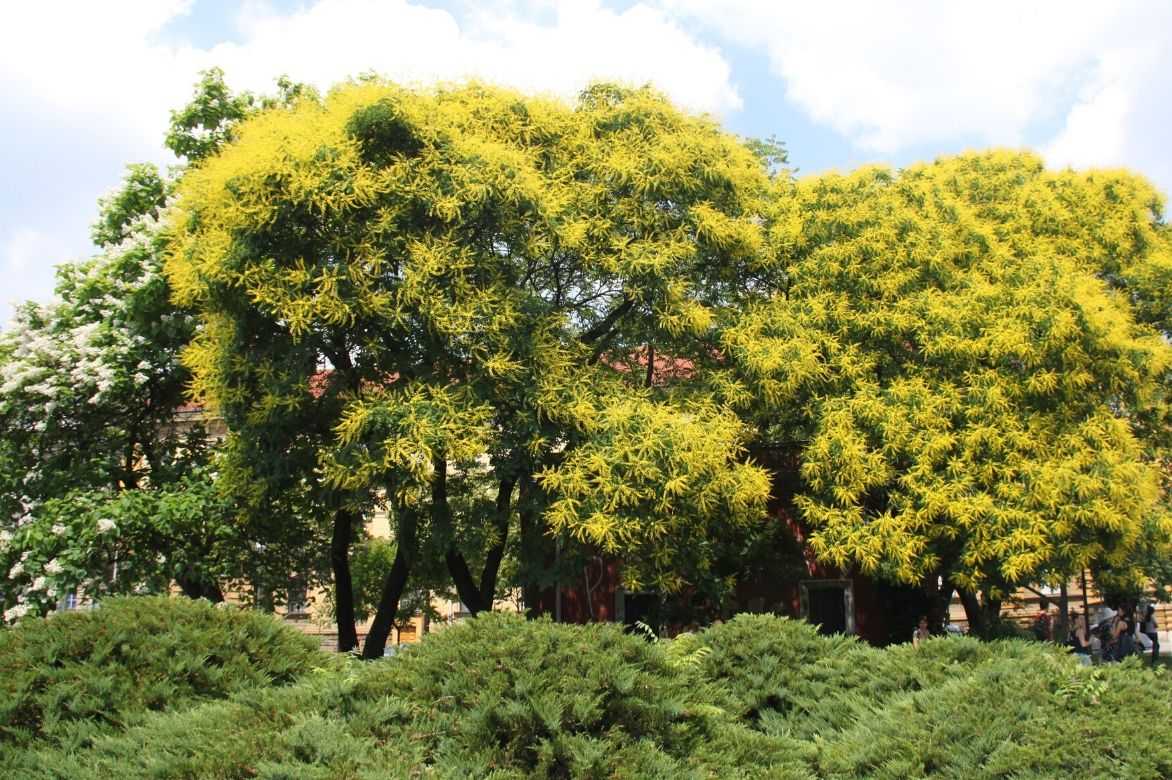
<point>87,87</point>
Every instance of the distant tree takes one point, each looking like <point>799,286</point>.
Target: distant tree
<point>91,380</point>
<point>209,120</point>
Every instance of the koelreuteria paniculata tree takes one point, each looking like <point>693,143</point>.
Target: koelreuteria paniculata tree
<point>971,357</point>
<point>485,268</point>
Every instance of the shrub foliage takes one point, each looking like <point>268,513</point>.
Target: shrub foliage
<point>76,674</point>
<point>500,697</point>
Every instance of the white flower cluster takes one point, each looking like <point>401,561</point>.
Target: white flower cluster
<point>78,350</point>
<point>52,361</point>
<point>16,612</point>
<point>24,515</point>
<point>105,525</point>
<point>44,589</point>
<point>78,335</point>
<point>201,133</point>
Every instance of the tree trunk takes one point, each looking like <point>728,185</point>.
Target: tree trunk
<point>492,562</point>
<point>534,550</point>
<point>343,583</point>
<point>992,609</point>
<point>978,614</point>
<point>981,616</point>
<point>972,611</point>
<point>1062,630</point>
<point>479,598</point>
<point>941,601</point>
<point>441,516</point>
<point>1086,605</point>
<point>393,586</point>
<point>466,587</point>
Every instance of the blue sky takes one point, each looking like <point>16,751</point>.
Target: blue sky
<point>86,86</point>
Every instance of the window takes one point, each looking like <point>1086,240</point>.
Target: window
<point>297,603</point>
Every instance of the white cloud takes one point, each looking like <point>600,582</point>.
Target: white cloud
<point>104,62</point>
<point>95,63</point>
<point>578,42</point>
<point>1122,117</point>
<point>25,248</point>
<point>107,74</point>
<point>892,77</point>
<point>587,42</point>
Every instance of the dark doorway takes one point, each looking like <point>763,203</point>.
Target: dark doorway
<point>828,604</point>
<point>641,608</point>
<point>828,610</point>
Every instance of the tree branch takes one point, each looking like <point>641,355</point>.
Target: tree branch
<point>602,328</point>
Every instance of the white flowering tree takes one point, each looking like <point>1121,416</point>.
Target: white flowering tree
<point>100,491</point>
<point>88,382</point>
<point>94,366</point>
<point>92,543</point>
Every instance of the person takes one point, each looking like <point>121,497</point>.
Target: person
<point>1123,633</point>
<point>1104,631</point>
<point>1042,624</point>
<point>921,633</point>
<point>1114,629</point>
<point>1080,640</point>
<point>1151,630</point>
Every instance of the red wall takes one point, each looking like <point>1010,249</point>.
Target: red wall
<point>604,582</point>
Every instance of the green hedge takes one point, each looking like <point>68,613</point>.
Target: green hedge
<point>782,677</point>
<point>499,697</point>
<point>77,674</point>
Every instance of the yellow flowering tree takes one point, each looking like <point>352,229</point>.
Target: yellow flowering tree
<point>967,357</point>
<point>476,281</point>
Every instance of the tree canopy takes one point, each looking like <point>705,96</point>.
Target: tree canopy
<point>968,357</point>
<point>469,269</point>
